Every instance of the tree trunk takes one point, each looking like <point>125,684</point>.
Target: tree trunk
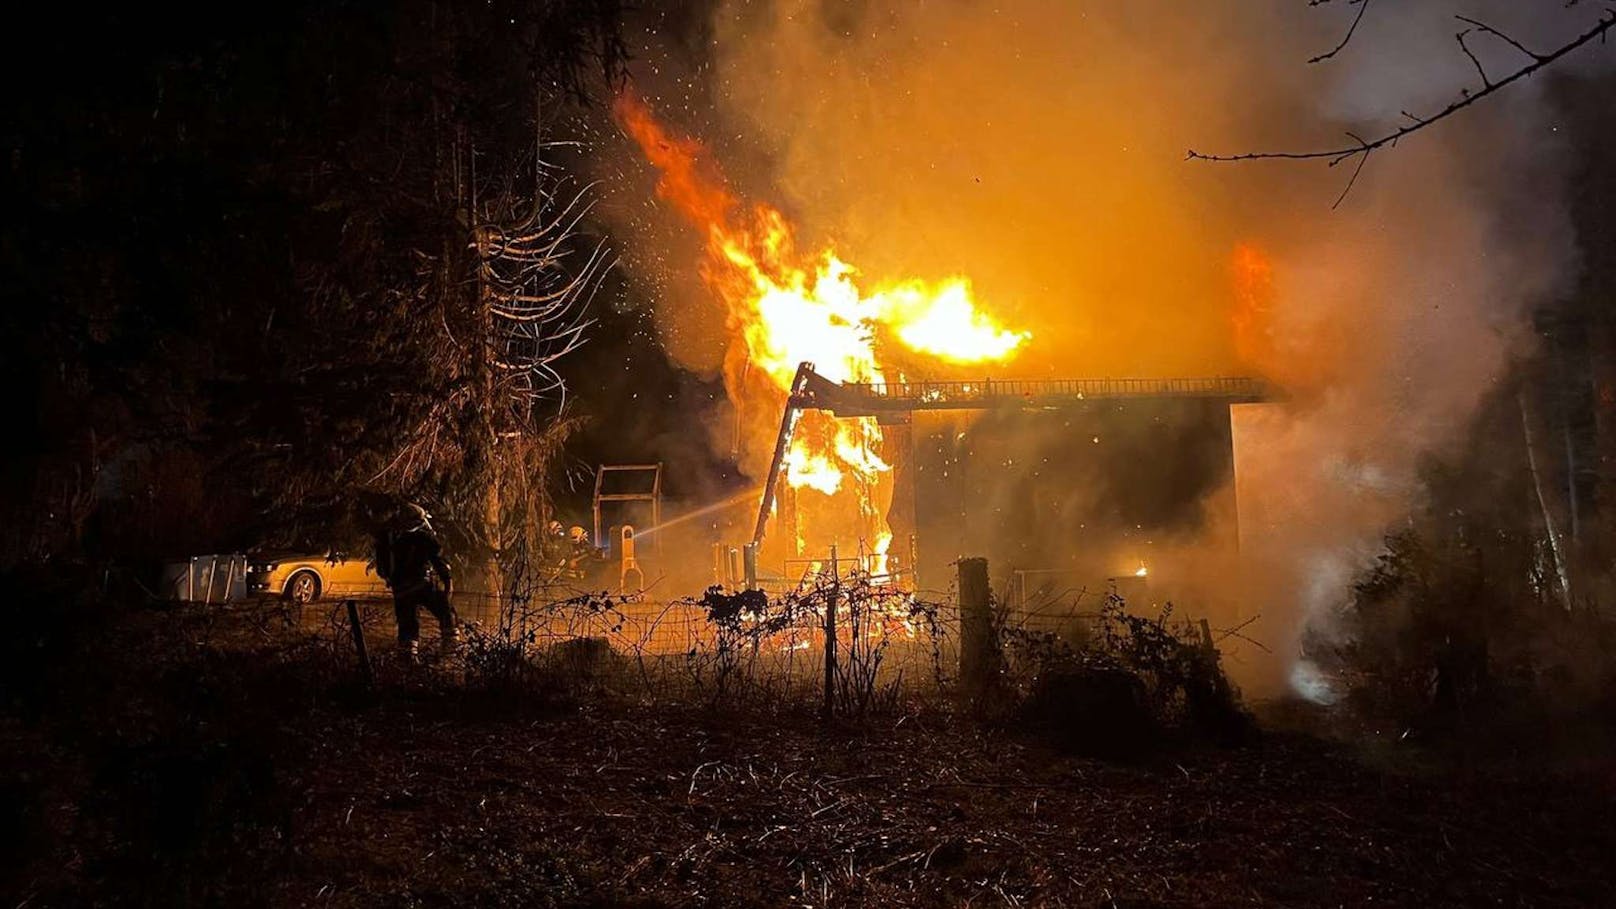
<point>493,577</point>
<point>1556,544</point>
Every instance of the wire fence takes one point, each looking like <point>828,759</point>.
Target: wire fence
<point>851,640</point>
<point>887,643</point>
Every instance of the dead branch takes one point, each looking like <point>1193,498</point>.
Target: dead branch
<point>1363,6</point>
<point>1484,27</point>
<point>1365,147</point>
<point>1237,632</point>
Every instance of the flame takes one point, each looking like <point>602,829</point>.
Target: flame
<point>1252,317</point>
<point>814,471</point>
<point>1299,353</point>
<point>786,307</point>
<point>879,563</point>
<point>946,324</point>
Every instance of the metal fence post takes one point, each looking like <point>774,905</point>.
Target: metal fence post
<point>359,639</point>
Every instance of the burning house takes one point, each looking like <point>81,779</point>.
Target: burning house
<point>1059,480</point>
<point>1069,481</point>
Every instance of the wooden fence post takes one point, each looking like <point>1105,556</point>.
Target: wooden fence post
<point>977,653</point>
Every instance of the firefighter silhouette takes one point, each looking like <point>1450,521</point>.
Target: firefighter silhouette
<point>554,549</point>
<point>410,560</point>
<point>580,552</point>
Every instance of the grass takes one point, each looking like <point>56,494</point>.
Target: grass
<point>203,758</point>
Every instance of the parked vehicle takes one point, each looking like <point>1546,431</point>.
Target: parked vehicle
<point>304,578</point>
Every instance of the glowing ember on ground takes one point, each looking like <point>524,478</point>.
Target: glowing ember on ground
<point>787,307</point>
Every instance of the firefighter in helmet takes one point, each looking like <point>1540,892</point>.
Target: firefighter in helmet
<point>410,560</point>
<point>554,549</point>
<point>580,551</point>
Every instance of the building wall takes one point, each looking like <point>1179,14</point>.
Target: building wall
<point>1082,493</point>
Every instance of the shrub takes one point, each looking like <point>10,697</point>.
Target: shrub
<point>1132,683</point>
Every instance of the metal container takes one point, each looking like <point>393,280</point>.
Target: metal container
<point>205,579</point>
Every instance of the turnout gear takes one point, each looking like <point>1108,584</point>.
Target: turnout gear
<point>412,564</point>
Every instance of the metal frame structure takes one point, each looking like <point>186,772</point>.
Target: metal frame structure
<point>654,496</point>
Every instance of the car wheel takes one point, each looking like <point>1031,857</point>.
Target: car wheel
<point>303,588</point>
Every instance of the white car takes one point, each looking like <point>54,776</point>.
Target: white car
<point>304,578</point>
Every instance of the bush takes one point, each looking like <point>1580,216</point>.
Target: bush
<point>1456,633</point>
<point>1098,710</point>
<point>1134,683</point>
<point>774,647</point>
<point>519,655</point>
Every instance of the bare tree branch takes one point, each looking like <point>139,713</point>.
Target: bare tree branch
<point>1364,159</point>
<point>1481,71</point>
<point>1484,27</point>
<point>1364,148</point>
<point>1363,6</point>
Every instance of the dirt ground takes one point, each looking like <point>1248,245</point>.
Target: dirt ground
<point>208,761</point>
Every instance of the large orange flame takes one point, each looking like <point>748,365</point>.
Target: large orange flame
<point>786,307</point>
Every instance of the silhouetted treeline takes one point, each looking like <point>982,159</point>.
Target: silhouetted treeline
<point>236,255</point>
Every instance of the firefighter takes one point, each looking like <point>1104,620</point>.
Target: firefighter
<point>411,562</point>
<point>580,552</point>
<point>554,549</point>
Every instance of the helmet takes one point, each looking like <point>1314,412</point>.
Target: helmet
<point>385,512</point>
<point>417,517</point>
<point>578,535</point>
<point>555,529</point>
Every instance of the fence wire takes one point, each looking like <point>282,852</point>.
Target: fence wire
<point>889,641</point>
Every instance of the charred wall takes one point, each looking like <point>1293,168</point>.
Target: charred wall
<point>1093,491</point>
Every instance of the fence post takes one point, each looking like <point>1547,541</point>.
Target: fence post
<point>359,639</point>
<point>977,663</point>
<point>749,566</point>
<point>830,636</point>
